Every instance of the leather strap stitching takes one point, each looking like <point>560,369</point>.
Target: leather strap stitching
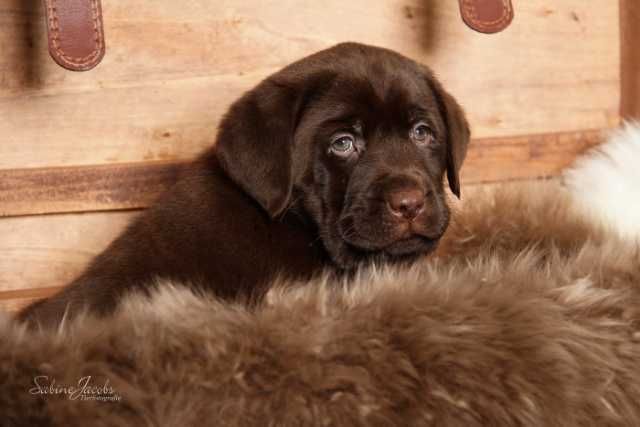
<point>64,57</point>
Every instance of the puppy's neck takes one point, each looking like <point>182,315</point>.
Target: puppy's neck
<point>246,242</point>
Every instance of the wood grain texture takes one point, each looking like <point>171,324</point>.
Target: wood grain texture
<point>111,187</point>
<point>12,301</point>
<point>630,59</point>
<point>50,250</point>
<point>158,95</point>
<point>527,156</point>
<point>84,188</point>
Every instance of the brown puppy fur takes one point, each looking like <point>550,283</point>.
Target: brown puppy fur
<point>532,318</point>
<point>336,160</point>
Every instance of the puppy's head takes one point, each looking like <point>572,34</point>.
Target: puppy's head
<point>358,138</point>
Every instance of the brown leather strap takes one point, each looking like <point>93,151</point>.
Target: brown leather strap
<point>76,35</point>
<point>487,16</point>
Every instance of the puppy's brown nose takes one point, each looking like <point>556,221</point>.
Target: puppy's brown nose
<point>406,204</point>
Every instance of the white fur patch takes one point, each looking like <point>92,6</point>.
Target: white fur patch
<point>605,183</point>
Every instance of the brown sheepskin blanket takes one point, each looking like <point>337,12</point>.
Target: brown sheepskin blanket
<point>527,315</point>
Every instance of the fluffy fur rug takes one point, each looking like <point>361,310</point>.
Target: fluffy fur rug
<point>606,184</point>
<point>529,314</point>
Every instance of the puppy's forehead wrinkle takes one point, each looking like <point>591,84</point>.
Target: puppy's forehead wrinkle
<point>394,107</point>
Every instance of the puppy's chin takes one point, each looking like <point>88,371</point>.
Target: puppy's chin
<point>412,246</point>
<point>355,239</point>
<point>348,255</point>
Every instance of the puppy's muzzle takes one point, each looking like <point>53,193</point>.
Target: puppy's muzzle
<point>408,198</point>
<point>406,204</point>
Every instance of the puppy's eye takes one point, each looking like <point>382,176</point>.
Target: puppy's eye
<point>421,133</point>
<point>342,145</point>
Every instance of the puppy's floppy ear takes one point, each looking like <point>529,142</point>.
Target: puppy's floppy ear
<point>458,133</point>
<point>255,143</point>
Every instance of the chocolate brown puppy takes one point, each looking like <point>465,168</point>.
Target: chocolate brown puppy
<point>336,160</point>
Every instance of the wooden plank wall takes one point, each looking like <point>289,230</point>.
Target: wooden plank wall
<point>98,142</point>
<point>630,59</point>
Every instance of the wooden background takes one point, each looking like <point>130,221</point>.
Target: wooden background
<point>80,152</point>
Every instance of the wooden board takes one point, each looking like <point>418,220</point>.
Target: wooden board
<point>527,156</point>
<point>84,188</point>
<point>126,186</point>
<point>46,251</point>
<point>630,59</point>
<point>12,301</point>
<point>172,68</point>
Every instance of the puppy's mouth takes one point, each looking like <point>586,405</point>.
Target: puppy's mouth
<point>411,245</point>
<point>372,235</point>
<point>405,240</point>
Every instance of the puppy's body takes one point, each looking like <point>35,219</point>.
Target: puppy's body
<point>205,231</point>
<point>336,160</point>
